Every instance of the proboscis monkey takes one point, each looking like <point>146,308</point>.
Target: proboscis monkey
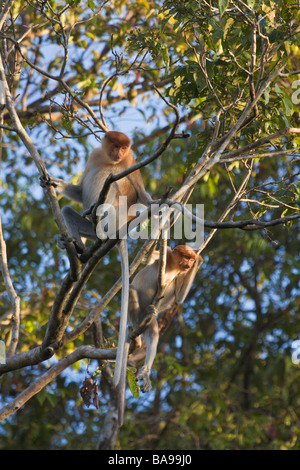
<point>114,156</point>
<point>182,264</point>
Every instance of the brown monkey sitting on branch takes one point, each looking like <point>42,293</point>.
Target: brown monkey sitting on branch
<point>113,157</point>
<point>182,264</point>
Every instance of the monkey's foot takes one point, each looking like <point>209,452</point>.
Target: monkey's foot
<point>62,244</point>
<point>88,211</point>
<point>144,375</point>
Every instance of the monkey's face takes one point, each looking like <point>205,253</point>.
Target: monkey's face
<point>117,146</point>
<point>185,257</point>
<point>185,262</point>
<point>117,153</point>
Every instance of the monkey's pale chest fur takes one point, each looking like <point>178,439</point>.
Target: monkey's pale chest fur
<point>94,180</point>
<point>147,277</point>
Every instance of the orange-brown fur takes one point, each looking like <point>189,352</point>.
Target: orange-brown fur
<point>114,156</point>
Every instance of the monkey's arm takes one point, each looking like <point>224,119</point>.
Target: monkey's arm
<point>72,191</point>
<point>184,281</point>
<point>136,180</point>
<point>144,198</point>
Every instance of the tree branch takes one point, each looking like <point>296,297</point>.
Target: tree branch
<point>14,298</point>
<point>80,353</point>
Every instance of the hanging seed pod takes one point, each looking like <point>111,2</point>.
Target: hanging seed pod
<point>86,391</point>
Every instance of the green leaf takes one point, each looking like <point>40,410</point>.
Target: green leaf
<point>288,105</point>
<point>52,399</point>
<point>91,35</point>
<point>166,58</point>
<point>267,96</point>
<point>296,191</point>
<point>41,396</point>
<point>133,384</point>
<point>223,4</point>
<point>66,123</point>
<point>91,5</point>
<point>73,3</point>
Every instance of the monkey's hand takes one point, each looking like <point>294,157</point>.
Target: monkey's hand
<point>46,181</point>
<point>144,375</point>
<point>145,199</point>
<point>151,310</point>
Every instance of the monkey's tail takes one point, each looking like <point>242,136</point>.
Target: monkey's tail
<point>122,245</point>
<point>122,386</point>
